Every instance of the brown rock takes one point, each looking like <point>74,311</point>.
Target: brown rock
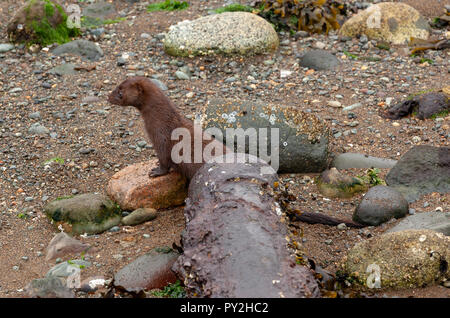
<point>149,271</point>
<point>132,188</point>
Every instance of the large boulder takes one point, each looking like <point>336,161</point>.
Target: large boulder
<point>132,188</point>
<point>227,33</point>
<point>85,213</point>
<point>422,170</point>
<point>40,21</point>
<point>392,22</point>
<point>302,141</point>
<point>405,259</point>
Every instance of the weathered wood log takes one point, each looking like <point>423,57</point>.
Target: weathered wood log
<point>235,242</point>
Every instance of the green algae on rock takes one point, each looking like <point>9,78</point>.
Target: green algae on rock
<point>85,213</point>
<point>42,22</point>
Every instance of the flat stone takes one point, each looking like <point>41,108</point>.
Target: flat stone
<point>351,160</point>
<point>132,188</point>
<point>66,269</point>
<point>64,69</point>
<point>5,47</point>
<point>49,287</point>
<point>86,49</point>
<point>85,213</point>
<point>319,60</point>
<point>240,33</point>
<point>139,216</point>
<point>435,221</point>
<point>62,244</point>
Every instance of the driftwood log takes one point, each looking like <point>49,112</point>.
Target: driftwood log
<point>235,242</point>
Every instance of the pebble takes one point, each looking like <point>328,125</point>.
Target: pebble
<point>5,47</point>
<point>342,226</point>
<point>351,107</point>
<point>35,115</point>
<point>334,103</point>
<point>181,75</point>
<point>114,229</point>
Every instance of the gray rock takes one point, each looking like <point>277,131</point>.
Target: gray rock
<point>85,213</point>
<point>181,75</point>
<point>100,9</point>
<point>422,170</point>
<point>319,60</point>
<point>35,115</point>
<point>62,244</point>
<point>64,69</point>
<point>303,138</point>
<point>86,49</point>
<point>38,129</point>
<point>49,287</point>
<point>66,269</point>
<point>435,221</point>
<point>139,216</point>
<point>5,47</point>
<point>350,160</point>
<point>149,271</point>
<point>227,33</point>
<point>379,205</point>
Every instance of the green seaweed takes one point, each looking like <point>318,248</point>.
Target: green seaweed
<point>443,113</point>
<point>168,5</point>
<point>235,7</point>
<point>45,33</point>
<point>174,290</point>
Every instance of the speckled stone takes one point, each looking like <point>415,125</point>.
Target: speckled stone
<point>392,22</point>
<point>302,138</point>
<point>227,33</point>
<point>404,259</point>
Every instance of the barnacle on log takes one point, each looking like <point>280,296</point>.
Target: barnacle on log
<point>313,16</point>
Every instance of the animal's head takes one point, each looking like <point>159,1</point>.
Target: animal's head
<point>129,92</point>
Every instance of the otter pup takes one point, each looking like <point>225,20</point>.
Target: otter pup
<point>161,118</point>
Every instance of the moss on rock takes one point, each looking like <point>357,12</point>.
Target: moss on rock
<point>42,22</point>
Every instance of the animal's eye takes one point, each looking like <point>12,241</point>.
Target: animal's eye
<point>120,94</point>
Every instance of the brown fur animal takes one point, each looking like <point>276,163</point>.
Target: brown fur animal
<point>161,118</point>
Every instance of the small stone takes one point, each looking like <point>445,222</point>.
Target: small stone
<point>181,75</point>
<point>114,229</point>
<point>334,103</point>
<point>139,216</point>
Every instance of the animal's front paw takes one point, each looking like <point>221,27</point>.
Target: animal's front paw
<point>156,172</point>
